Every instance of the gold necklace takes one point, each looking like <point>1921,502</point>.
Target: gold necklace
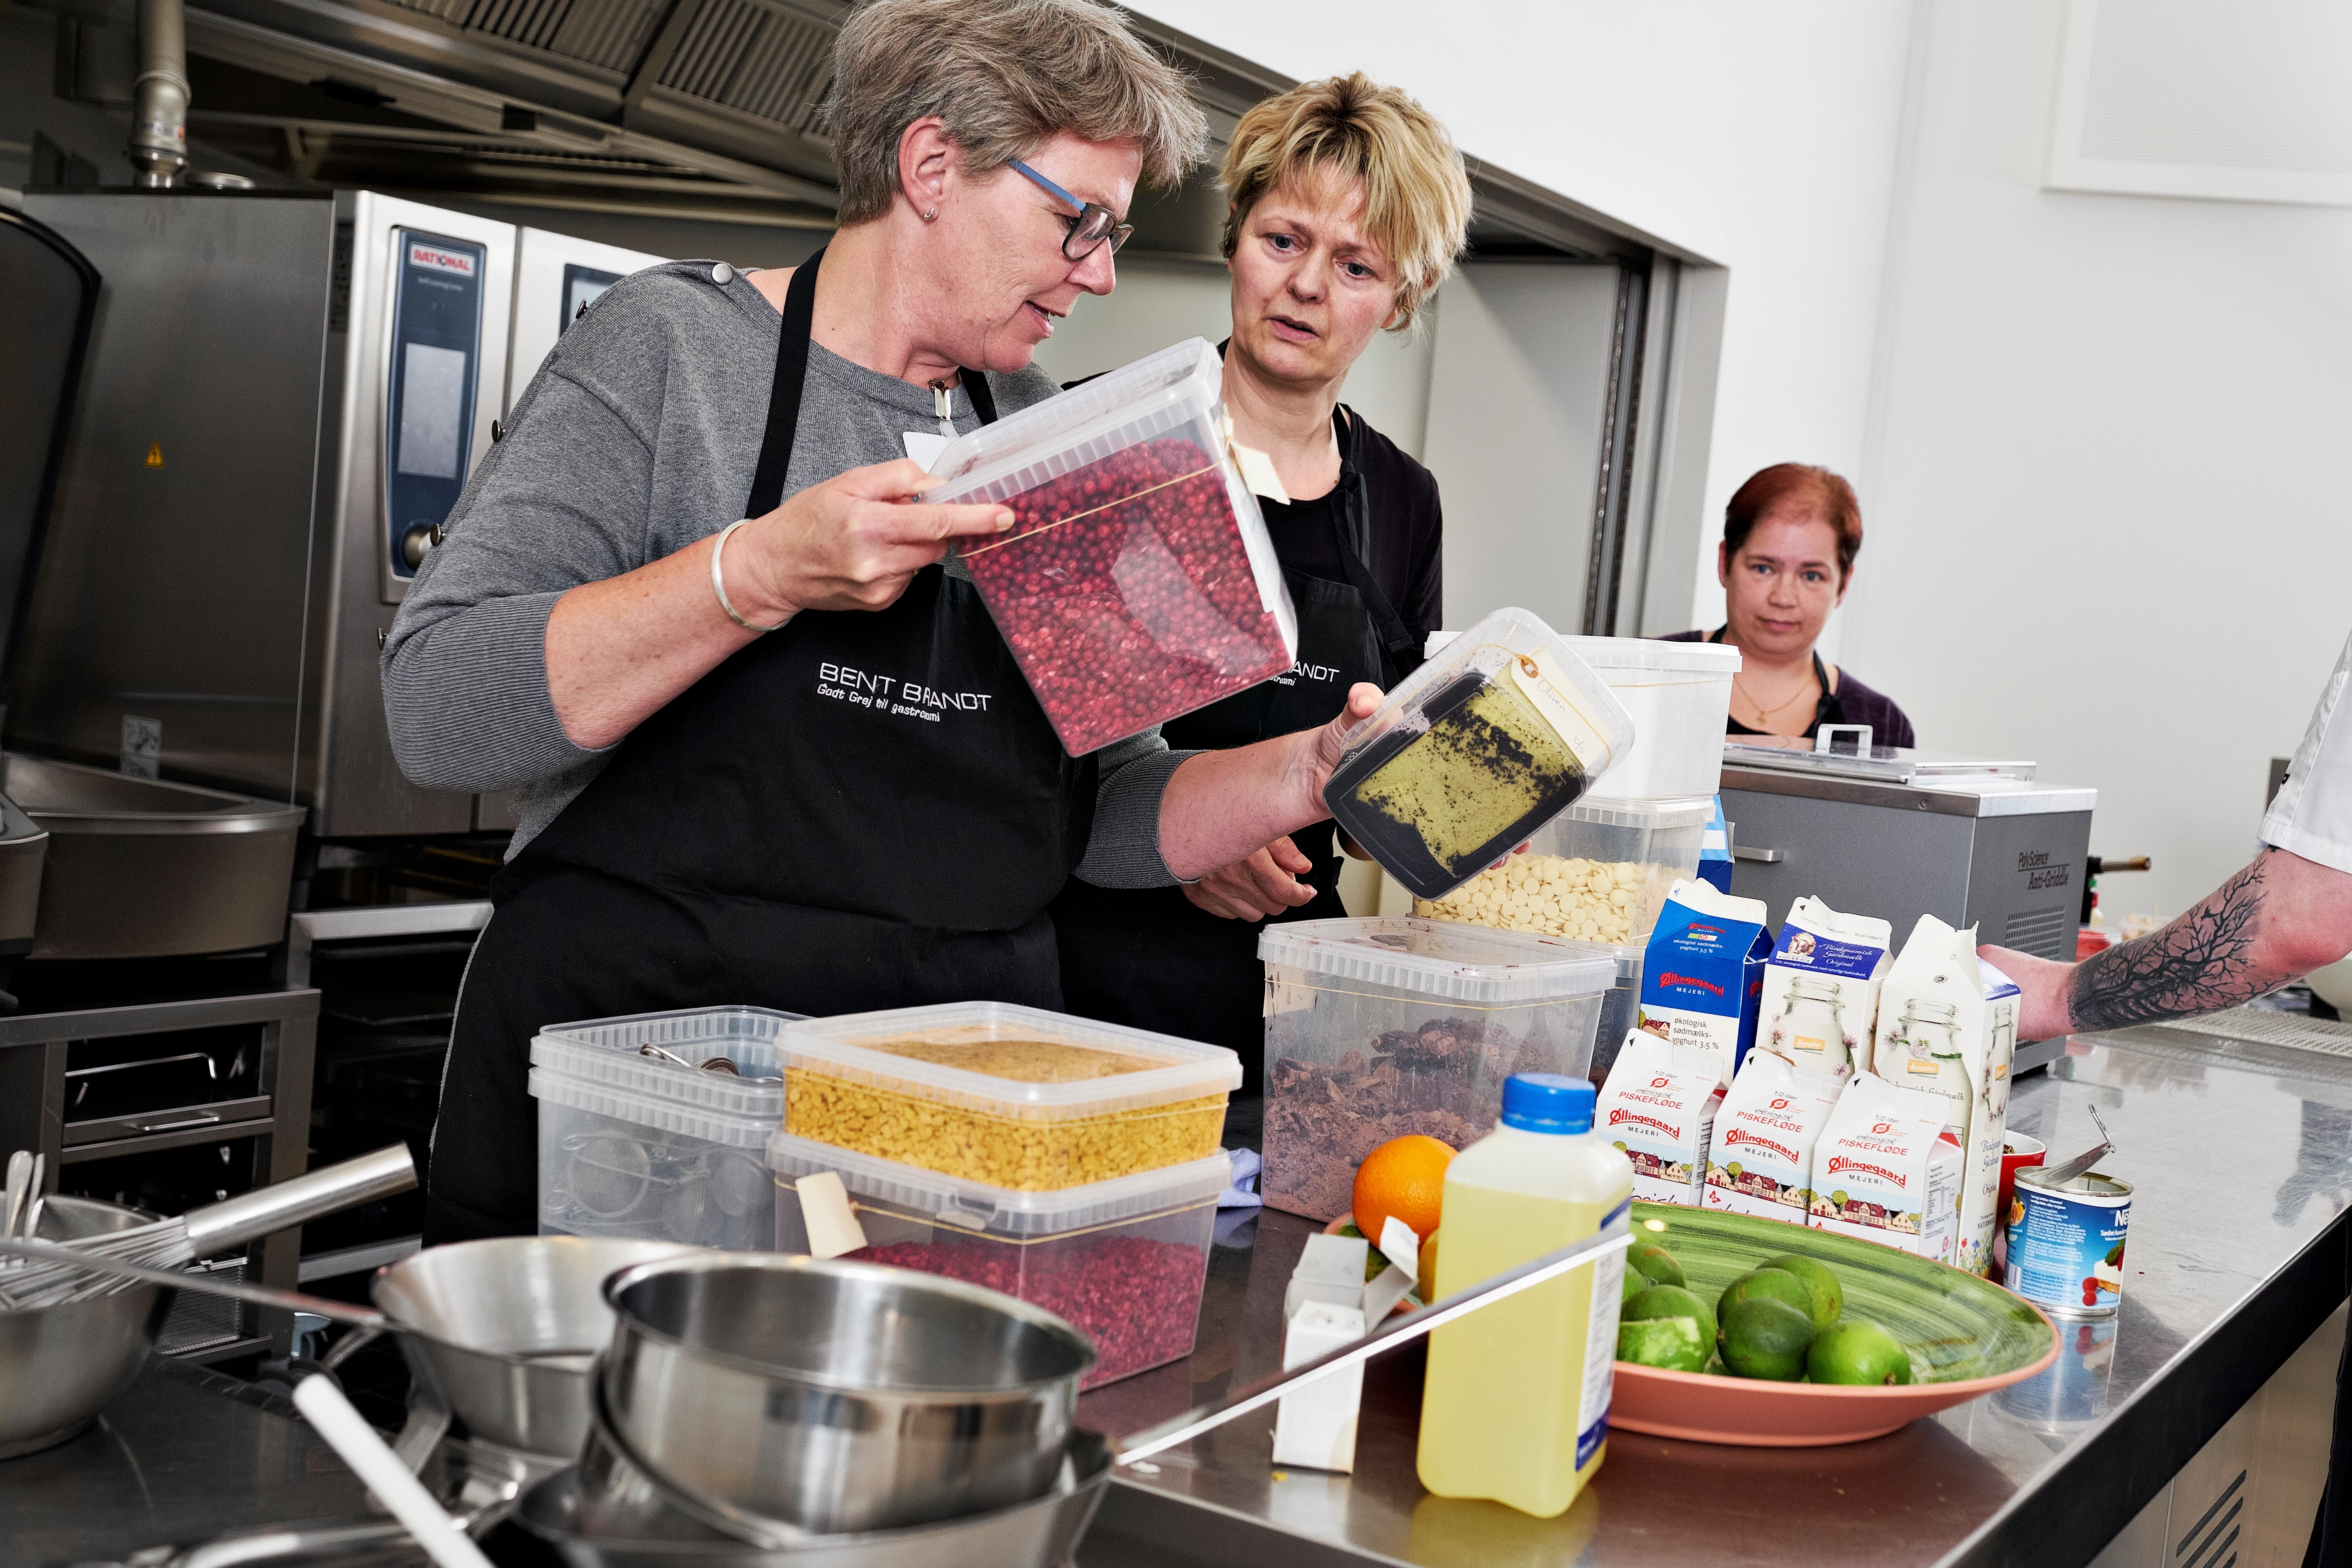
<point>1766,713</point>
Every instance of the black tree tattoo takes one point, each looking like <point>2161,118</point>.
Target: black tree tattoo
<point>2202,962</point>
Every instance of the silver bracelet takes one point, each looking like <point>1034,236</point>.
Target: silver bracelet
<point>719,581</point>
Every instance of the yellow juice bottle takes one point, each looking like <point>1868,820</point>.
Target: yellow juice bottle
<point>1517,1403</point>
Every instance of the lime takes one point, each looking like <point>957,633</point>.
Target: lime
<point>1860,1352</point>
<point>1777,1283</point>
<point>1669,1301</point>
<point>1673,1344</point>
<point>1765,1337</point>
<point>1656,1264</point>
<point>1828,1297</point>
<point>1636,1283</point>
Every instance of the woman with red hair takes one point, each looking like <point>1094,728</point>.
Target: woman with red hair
<point>1789,537</point>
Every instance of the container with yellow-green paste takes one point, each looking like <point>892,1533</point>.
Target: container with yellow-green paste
<point>1504,737</point>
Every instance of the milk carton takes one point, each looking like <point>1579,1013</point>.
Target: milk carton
<point>1948,1024</point>
<point>1659,1106</point>
<point>1702,973</point>
<point>1760,1158</point>
<point>1885,1171</point>
<point>1820,987</point>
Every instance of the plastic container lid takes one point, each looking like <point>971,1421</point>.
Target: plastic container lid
<point>1625,956</point>
<point>1684,811</point>
<point>1616,656</point>
<point>1191,366</point>
<point>1005,1212</point>
<point>1439,958</point>
<point>742,1131</point>
<point>605,1052</point>
<point>1548,1102</point>
<point>853,1046</point>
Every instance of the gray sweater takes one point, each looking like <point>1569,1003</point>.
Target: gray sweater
<point>636,440</point>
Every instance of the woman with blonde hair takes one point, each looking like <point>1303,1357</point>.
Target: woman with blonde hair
<point>1348,204</point>
<point>661,592</point>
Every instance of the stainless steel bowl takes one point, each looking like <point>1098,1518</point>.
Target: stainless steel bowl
<point>788,1394</point>
<point>505,1330</point>
<point>59,1367</point>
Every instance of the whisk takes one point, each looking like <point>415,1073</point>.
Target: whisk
<point>201,1232</point>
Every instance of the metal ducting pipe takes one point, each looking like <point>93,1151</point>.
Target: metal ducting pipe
<point>159,97</point>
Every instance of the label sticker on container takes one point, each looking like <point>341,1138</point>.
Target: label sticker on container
<point>1545,685</point>
<point>1601,1340</point>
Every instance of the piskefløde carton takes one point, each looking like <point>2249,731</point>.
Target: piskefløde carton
<point>1703,973</point>
<point>1658,1105</point>
<point>1884,1170</point>
<point>1760,1158</point>
<point>1947,1024</point>
<point>1820,987</point>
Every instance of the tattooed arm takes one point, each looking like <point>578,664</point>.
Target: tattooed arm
<point>2279,918</point>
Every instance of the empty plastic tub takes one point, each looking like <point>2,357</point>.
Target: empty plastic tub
<point>1124,1260</point>
<point>1679,694</point>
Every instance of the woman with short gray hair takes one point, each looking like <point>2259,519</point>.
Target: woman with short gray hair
<point>680,603</point>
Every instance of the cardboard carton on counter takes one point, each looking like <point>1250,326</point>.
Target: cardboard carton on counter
<point>1703,974</point>
<point>1883,1171</point>
<point>1947,1024</point>
<point>1659,1106</point>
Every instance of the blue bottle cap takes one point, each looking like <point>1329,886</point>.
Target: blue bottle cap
<point>1547,1102</point>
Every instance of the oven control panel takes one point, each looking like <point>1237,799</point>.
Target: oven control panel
<point>434,376</point>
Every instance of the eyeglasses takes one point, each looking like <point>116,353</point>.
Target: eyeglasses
<point>1093,224</point>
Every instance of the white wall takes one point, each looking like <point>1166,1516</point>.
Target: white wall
<point>2110,527</point>
<point>1760,136</point>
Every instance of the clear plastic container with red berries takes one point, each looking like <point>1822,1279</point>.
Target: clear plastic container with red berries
<point>1124,1260</point>
<point>1139,582</point>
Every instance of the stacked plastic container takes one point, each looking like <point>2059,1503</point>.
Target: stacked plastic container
<point>632,1144</point>
<point>1379,1028</point>
<point>1123,1259</point>
<point>1139,582</point>
<point>1598,873</point>
<point>1071,1163</point>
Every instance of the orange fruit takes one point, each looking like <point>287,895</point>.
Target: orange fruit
<point>1404,1177</point>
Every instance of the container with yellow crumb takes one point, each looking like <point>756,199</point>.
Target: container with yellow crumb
<point>1015,1097</point>
<point>1597,872</point>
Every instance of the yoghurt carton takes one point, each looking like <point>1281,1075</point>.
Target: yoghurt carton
<point>1703,973</point>
<point>1885,1171</point>
<point>1947,1024</point>
<point>1659,1106</point>
<point>1820,987</point>
<point>1760,1159</point>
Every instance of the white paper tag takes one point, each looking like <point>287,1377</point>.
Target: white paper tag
<point>1545,685</point>
<point>925,445</point>
<point>832,1225</point>
<point>1257,472</point>
<point>1400,1246</point>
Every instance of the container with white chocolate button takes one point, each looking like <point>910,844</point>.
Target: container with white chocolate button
<point>1598,872</point>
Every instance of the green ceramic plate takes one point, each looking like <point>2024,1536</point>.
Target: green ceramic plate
<point>1967,1336</point>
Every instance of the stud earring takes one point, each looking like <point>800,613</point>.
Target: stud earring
<point>928,215</point>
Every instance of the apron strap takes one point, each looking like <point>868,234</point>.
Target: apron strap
<point>1396,640</point>
<point>983,401</point>
<point>784,396</point>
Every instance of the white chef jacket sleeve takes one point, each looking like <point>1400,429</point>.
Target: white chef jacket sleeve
<point>2312,814</point>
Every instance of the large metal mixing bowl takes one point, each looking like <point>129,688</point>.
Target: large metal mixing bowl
<point>59,1367</point>
<point>791,1395</point>
<point>504,1331</point>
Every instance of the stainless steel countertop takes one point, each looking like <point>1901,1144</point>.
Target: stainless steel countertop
<point>2241,1156</point>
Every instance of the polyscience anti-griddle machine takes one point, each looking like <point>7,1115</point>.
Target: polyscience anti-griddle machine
<point>1974,841</point>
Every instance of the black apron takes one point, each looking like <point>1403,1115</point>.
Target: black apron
<point>1146,957</point>
<point>859,810</point>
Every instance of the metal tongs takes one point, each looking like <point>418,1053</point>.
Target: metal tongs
<point>2084,1161</point>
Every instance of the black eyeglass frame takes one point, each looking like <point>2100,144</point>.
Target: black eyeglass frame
<point>1107,225</point>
